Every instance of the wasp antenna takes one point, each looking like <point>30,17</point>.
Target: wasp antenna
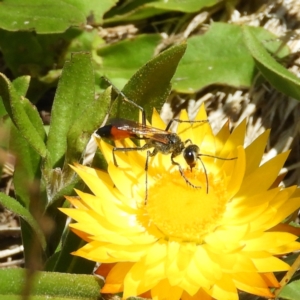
<point>217,157</point>
<point>205,172</point>
<point>169,125</point>
<point>184,121</point>
<point>189,121</point>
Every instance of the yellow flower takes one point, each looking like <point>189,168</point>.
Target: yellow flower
<point>182,242</point>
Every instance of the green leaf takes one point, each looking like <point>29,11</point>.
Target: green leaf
<point>131,11</point>
<point>48,16</point>
<point>27,173</point>
<point>86,41</point>
<point>121,60</point>
<point>150,86</point>
<point>29,53</point>
<point>74,93</point>
<point>67,189</point>
<point>270,41</point>
<point>27,176</point>
<point>51,16</point>
<point>2,108</point>
<point>14,206</point>
<point>34,254</point>
<point>187,6</point>
<point>26,181</point>
<point>68,263</point>
<point>217,57</point>
<point>280,78</point>
<point>14,105</point>
<point>291,291</point>
<point>21,85</point>
<point>48,285</point>
<point>34,117</point>
<point>59,200</point>
<point>93,7</point>
<point>141,9</point>
<point>83,128</point>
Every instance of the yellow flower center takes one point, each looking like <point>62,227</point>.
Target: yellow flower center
<point>182,212</point>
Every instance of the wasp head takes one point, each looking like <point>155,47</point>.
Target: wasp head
<point>190,154</point>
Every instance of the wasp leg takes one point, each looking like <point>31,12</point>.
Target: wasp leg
<point>188,141</point>
<point>127,99</point>
<point>146,179</point>
<point>182,174</point>
<point>145,147</point>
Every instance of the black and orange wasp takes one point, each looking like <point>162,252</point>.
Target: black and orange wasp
<point>161,141</point>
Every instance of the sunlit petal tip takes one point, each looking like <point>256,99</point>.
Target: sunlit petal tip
<point>75,166</point>
<point>155,114</point>
<point>156,120</point>
<point>202,115</point>
<point>199,227</point>
<point>76,202</point>
<point>105,148</point>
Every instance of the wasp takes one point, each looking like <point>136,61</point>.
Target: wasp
<point>161,141</point>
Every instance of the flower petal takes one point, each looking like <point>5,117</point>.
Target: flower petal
<point>255,151</point>
<point>160,234</point>
<point>114,282</point>
<point>262,178</point>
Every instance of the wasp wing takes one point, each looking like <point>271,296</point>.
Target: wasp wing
<point>119,129</point>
